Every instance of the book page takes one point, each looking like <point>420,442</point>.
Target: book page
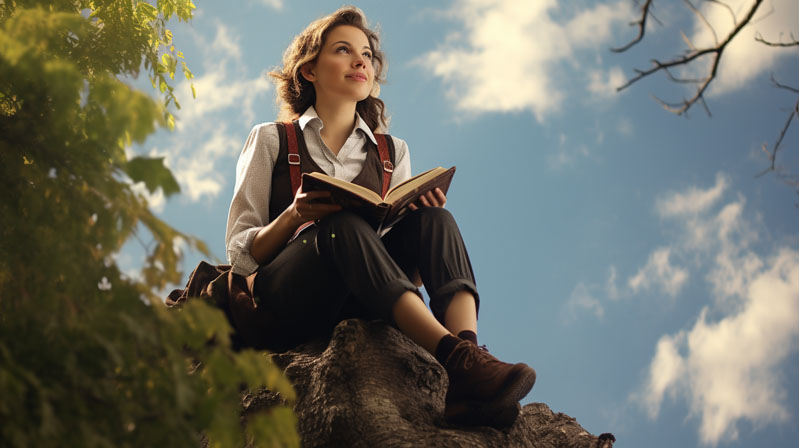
<point>410,184</point>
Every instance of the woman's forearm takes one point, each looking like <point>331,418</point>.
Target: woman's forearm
<point>271,238</point>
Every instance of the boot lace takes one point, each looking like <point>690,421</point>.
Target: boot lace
<point>467,358</point>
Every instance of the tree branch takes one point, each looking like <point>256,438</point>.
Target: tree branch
<point>717,51</point>
<point>702,17</point>
<point>724,5</point>
<point>773,154</point>
<point>793,43</point>
<point>641,28</point>
<point>783,86</point>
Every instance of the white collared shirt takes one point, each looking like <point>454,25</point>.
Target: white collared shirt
<point>249,208</point>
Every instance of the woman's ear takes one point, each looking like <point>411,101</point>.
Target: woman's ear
<point>307,72</point>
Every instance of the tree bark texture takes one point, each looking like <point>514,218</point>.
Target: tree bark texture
<point>371,386</point>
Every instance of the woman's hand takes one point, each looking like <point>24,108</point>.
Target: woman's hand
<point>433,198</point>
<point>304,209</point>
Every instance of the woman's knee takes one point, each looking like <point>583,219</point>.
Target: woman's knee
<point>343,229</point>
<point>435,215</point>
<point>342,221</point>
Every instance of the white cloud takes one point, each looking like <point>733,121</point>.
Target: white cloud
<point>727,364</point>
<point>202,136</point>
<point>509,54</point>
<point>666,369</point>
<point>745,59</point>
<point>567,154</point>
<point>197,171</point>
<point>729,369</point>
<point>693,200</point>
<point>581,300</point>
<point>593,27</point>
<point>602,84</point>
<point>610,286</point>
<point>275,4</point>
<point>726,367</point>
<point>659,272</point>
<point>156,201</point>
<point>625,127</point>
<point>735,266</point>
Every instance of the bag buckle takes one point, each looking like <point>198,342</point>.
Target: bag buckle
<point>388,166</point>
<point>294,159</point>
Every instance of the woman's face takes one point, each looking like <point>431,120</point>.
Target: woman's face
<point>343,70</point>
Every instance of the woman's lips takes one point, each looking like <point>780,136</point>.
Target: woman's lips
<point>360,78</point>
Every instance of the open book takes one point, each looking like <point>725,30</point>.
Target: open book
<point>379,212</point>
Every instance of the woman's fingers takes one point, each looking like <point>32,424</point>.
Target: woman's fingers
<point>309,210</point>
<point>424,201</point>
<point>312,211</point>
<point>433,198</point>
<point>442,198</point>
<point>312,195</point>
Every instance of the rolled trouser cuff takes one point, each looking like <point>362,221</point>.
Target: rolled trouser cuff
<point>442,297</point>
<point>383,305</point>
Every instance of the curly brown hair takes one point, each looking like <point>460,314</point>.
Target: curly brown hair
<point>295,93</point>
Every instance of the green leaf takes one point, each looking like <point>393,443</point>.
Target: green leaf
<point>153,173</point>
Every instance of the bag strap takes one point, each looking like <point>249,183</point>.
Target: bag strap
<point>385,159</point>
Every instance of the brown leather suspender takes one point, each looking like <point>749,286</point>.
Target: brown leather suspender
<point>388,167</point>
<point>295,173</point>
<point>294,159</point>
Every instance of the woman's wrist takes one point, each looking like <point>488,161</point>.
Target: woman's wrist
<point>272,237</point>
<point>291,219</point>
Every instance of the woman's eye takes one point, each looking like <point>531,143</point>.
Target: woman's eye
<point>368,55</point>
<point>342,48</point>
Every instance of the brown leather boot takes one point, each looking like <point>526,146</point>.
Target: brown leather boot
<point>484,390</point>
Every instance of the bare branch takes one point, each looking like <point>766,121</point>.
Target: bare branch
<point>687,41</point>
<point>773,154</point>
<point>783,86</point>
<point>641,28</point>
<point>732,14</point>
<point>717,51</point>
<point>682,80</point>
<point>703,19</point>
<point>707,108</point>
<point>793,43</point>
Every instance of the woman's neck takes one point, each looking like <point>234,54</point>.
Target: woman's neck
<point>339,120</point>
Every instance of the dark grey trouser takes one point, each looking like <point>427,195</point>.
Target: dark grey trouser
<point>341,269</point>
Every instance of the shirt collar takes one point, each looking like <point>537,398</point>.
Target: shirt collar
<point>310,116</point>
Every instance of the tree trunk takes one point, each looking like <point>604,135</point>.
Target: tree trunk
<point>372,386</point>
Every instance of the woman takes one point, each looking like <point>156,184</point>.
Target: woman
<point>340,267</point>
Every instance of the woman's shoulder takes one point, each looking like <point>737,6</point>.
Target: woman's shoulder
<point>265,130</point>
<point>400,145</point>
<point>263,138</point>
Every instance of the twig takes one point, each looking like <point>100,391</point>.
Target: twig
<point>732,14</point>
<point>703,19</point>
<point>773,154</point>
<point>783,86</point>
<point>641,28</point>
<point>794,43</point>
<point>690,57</point>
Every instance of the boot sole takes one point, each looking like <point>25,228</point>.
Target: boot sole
<point>499,413</point>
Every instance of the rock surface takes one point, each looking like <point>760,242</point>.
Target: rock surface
<point>372,386</point>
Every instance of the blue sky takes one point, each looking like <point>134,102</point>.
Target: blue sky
<point>628,254</point>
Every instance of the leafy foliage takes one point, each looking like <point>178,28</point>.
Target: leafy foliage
<point>88,356</point>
